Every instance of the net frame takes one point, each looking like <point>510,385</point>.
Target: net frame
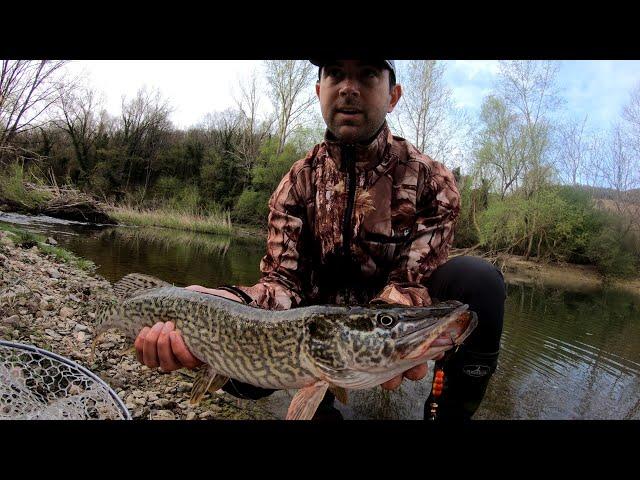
<point>21,348</point>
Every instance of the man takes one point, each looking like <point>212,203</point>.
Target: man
<point>365,217</point>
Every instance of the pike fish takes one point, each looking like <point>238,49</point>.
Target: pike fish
<point>311,349</point>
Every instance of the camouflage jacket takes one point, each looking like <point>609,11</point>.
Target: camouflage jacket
<point>354,224</point>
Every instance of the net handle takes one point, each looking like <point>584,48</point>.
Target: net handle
<point>69,363</point>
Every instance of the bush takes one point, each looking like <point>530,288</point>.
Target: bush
<point>14,192</point>
<point>610,256</point>
<point>252,207</point>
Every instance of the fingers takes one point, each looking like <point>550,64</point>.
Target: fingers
<point>182,353</point>
<point>150,347</point>
<point>416,373</point>
<point>393,383</point>
<point>167,359</point>
<point>139,343</point>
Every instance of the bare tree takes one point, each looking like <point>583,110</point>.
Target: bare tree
<point>82,118</point>
<point>289,81</point>
<point>27,89</point>
<point>528,89</point>
<point>426,114</point>
<point>254,128</point>
<point>572,151</point>
<point>500,148</point>
<point>144,125</point>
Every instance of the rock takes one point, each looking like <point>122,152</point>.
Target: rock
<point>44,305</point>
<point>137,393</point>
<point>81,336</point>
<point>184,387</point>
<point>51,241</point>
<point>206,415</point>
<point>53,273</point>
<point>66,312</point>
<point>164,403</point>
<point>73,298</point>
<point>140,412</point>
<point>81,328</point>
<point>152,397</point>
<point>5,331</point>
<point>191,416</point>
<point>162,415</point>
<point>12,321</point>
<point>53,334</point>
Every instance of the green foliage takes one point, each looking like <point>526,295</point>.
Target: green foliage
<point>271,167</point>
<point>559,223</point>
<point>252,207</point>
<point>14,192</point>
<point>221,179</point>
<point>610,256</point>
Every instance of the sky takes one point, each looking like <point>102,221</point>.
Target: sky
<point>595,88</point>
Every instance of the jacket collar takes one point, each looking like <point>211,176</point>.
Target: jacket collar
<point>368,156</point>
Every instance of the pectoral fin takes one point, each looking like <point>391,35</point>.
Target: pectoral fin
<point>206,379</point>
<point>306,401</point>
<point>340,393</point>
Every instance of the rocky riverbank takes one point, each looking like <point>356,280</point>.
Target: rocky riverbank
<point>52,305</point>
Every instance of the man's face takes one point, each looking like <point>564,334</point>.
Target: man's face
<point>355,98</point>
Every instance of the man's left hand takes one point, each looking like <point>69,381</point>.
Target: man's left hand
<point>419,371</point>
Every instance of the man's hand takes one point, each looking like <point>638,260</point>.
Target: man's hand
<point>419,371</point>
<point>162,345</point>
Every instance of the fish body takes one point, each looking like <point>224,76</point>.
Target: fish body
<point>309,348</point>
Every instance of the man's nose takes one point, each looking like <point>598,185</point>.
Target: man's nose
<point>350,87</point>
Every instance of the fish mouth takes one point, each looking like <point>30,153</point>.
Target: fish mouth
<point>453,329</point>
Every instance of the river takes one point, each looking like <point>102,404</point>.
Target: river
<point>565,354</point>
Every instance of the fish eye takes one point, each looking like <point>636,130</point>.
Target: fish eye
<point>386,320</point>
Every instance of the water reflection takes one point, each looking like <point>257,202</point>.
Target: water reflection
<point>564,354</point>
<point>567,355</point>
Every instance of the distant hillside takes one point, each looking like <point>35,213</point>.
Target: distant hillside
<point>600,193</point>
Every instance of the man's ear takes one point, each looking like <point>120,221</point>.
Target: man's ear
<point>396,93</point>
<point>318,89</point>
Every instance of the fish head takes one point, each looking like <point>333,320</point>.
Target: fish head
<point>363,347</point>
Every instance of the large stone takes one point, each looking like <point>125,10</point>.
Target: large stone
<point>53,273</point>
<point>51,241</point>
<point>52,334</point>
<point>66,312</point>
<point>162,415</point>
<point>12,321</point>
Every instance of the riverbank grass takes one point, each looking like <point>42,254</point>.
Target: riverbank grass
<point>23,237</point>
<point>13,190</point>
<point>216,223</point>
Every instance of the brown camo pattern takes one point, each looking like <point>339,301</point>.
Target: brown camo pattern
<point>405,208</point>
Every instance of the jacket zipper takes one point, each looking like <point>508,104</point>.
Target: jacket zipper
<point>349,158</point>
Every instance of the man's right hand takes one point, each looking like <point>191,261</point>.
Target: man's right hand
<point>162,345</point>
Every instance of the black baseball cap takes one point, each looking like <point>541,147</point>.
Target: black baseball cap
<point>390,64</point>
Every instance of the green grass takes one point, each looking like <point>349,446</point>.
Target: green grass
<point>217,223</point>
<point>13,191</point>
<point>60,254</point>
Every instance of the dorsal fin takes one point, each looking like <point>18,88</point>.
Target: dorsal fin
<point>136,283</point>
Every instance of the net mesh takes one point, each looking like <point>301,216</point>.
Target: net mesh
<point>37,384</point>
